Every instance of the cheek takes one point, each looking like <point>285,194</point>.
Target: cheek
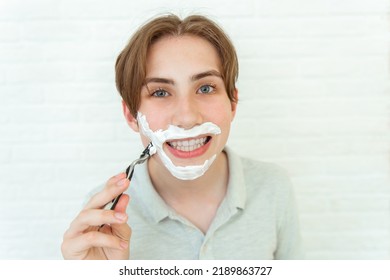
<point>158,122</point>
<point>155,117</point>
<point>145,140</point>
<point>220,114</point>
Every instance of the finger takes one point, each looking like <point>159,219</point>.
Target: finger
<point>123,230</point>
<point>94,217</point>
<point>122,203</point>
<point>114,187</point>
<point>78,245</point>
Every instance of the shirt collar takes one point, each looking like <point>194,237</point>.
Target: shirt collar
<point>159,210</point>
<point>236,190</point>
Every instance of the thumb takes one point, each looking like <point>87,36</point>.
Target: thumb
<point>122,203</point>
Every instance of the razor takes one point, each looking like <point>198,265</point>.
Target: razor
<point>130,171</point>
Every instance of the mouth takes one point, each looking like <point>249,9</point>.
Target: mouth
<point>192,147</point>
<point>189,145</point>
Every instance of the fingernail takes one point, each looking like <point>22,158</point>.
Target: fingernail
<point>122,182</point>
<point>123,244</point>
<point>120,216</point>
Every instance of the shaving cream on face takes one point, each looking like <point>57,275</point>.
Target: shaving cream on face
<point>159,137</point>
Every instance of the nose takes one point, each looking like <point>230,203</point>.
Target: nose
<point>187,112</point>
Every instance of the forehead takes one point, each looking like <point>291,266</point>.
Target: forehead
<point>182,52</point>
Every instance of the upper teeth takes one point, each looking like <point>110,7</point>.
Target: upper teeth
<point>188,145</point>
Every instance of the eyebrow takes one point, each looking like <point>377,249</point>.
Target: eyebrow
<point>159,80</point>
<point>206,74</point>
<point>193,78</point>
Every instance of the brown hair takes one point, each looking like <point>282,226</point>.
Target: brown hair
<point>130,67</point>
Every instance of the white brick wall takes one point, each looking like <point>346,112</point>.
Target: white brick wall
<point>315,98</point>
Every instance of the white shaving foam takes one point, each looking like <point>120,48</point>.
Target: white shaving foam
<point>159,137</point>
<point>152,150</point>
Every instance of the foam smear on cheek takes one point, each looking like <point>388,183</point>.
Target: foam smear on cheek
<point>159,137</point>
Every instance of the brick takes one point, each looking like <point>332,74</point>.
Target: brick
<point>76,133</point>
<point>344,67</point>
<point>340,203</point>
<point>321,184</point>
<point>5,155</point>
<point>305,27</point>
<point>116,32</point>
<point>81,93</point>
<point>351,165</point>
<point>2,75</point>
<point>17,94</point>
<point>22,133</point>
<point>316,108</point>
<point>46,153</point>
<point>77,179</point>
<point>38,73</point>
<point>53,30</point>
<point>338,107</point>
<point>22,10</point>
<point>124,133</point>
<point>95,9</point>
<point>9,32</point>
<point>98,9</point>
<point>44,114</point>
<point>94,72</point>
<point>112,153</point>
<point>59,72</point>
<point>319,7</point>
<point>71,51</point>
<point>282,47</point>
<point>347,242</point>
<point>260,28</point>
<point>342,222</point>
<point>100,113</point>
<point>278,68</point>
<point>14,175</point>
<point>21,53</point>
<point>289,88</point>
<point>348,255</point>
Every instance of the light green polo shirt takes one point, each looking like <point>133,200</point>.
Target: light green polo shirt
<point>256,220</point>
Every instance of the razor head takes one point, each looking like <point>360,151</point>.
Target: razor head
<point>143,157</point>
<point>149,150</point>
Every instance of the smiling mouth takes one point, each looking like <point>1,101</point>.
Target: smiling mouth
<point>189,145</point>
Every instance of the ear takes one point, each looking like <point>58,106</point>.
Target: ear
<point>130,119</point>
<point>234,103</point>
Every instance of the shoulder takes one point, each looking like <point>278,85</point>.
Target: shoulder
<point>266,185</point>
<point>259,174</point>
<point>261,170</point>
<point>266,177</point>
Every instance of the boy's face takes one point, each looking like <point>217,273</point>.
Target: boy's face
<point>184,88</point>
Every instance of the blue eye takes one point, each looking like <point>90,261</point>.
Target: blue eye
<point>205,89</point>
<point>160,93</point>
